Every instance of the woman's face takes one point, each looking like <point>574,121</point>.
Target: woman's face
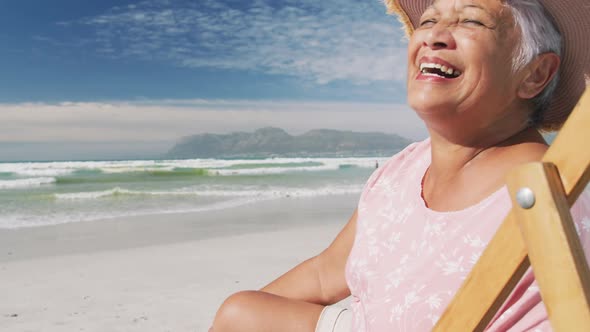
<point>460,63</point>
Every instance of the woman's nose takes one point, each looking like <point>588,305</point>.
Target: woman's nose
<point>440,37</point>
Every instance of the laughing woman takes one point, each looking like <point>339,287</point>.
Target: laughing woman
<point>485,76</point>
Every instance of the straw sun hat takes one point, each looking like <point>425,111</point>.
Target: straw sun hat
<point>573,21</point>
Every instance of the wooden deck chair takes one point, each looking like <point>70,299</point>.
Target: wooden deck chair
<point>539,231</point>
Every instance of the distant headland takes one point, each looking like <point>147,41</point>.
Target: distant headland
<point>275,142</point>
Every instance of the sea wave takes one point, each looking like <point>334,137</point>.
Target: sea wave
<point>196,166</point>
<point>180,171</point>
<point>20,221</point>
<point>92,194</point>
<point>26,183</point>
<point>234,199</point>
<point>258,193</point>
<point>43,172</point>
<point>109,169</point>
<point>274,170</point>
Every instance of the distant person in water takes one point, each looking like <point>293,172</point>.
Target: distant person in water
<point>485,76</point>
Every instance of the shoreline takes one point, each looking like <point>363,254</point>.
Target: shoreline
<point>156,274</point>
<point>159,229</point>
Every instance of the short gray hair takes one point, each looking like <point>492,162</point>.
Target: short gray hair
<point>539,35</point>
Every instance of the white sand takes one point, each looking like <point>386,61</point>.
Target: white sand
<point>156,273</point>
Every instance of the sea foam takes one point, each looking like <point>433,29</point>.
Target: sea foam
<point>208,166</point>
<point>26,183</point>
<point>258,193</point>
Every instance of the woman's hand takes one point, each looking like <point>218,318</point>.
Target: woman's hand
<point>296,298</point>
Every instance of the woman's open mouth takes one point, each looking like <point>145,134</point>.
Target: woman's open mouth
<point>438,70</point>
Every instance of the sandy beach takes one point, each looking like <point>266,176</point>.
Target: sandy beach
<point>158,272</point>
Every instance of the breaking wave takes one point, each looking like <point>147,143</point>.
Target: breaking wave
<point>269,193</point>
<point>26,183</point>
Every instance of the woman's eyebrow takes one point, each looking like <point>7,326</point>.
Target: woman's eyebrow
<point>485,10</point>
<point>473,5</point>
<point>470,5</point>
<point>431,8</point>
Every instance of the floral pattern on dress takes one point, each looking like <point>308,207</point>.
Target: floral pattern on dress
<point>408,261</point>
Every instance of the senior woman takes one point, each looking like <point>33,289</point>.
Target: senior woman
<point>485,76</point>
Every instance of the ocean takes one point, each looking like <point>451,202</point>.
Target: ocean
<point>36,194</point>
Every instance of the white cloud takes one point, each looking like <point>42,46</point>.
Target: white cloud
<point>151,121</point>
<point>320,41</point>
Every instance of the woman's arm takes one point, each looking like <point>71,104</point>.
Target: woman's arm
<point>296,298</point>
<point>319,279</point>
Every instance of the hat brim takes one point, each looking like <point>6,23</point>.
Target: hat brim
<point>572,18</point>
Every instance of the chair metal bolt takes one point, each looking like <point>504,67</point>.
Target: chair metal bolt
<point>525,198</point>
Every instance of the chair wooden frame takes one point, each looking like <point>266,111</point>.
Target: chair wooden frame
<point>543,236</point>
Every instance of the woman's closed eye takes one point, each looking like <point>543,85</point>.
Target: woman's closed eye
<point>473,22</point>
<point>427,22</point>
<point>431,21</point>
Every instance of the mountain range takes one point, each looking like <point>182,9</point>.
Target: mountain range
<point>275,142</point>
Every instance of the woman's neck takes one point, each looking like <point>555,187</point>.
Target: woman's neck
<point>454,179</point>
<point>451,157</point>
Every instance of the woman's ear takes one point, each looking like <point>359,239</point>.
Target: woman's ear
<point>540,72</point>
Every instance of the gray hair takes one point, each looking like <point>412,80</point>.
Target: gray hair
<point>539,35</point>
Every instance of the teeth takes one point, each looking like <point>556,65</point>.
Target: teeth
<point>431,74</point>
<point>444,69</point>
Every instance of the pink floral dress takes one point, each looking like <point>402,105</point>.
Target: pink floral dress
<point>408,261</point>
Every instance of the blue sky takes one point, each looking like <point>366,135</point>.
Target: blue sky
<point>98,72</point>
